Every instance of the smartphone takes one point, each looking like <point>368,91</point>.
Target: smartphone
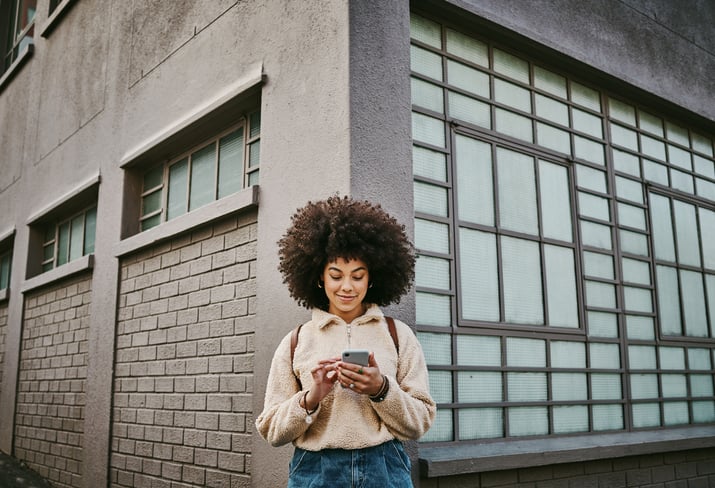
<point>356,356</point>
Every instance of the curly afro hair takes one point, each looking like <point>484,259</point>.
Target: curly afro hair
<point>323,231</point>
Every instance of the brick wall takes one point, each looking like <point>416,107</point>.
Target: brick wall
<point>684,469</point>
<point>49,421</point>
<point>184,361</point>
<point>3,332</point>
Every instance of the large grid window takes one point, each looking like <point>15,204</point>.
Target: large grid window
<point>565,279</point>
<point>17,26</point>
<point>69,239</point>
<point>213,170</point>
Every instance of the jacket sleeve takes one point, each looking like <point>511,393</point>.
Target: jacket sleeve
<point>408,409</point>
<point>282,419</point>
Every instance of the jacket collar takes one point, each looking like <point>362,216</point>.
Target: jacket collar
<point>322,318</point>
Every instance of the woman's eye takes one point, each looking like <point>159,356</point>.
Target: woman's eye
<point>358,278</point>
<point>335,278</point>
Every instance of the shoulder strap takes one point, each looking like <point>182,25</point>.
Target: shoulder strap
<point>393,333</point>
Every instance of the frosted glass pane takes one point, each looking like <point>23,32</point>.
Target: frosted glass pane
<point>550,109</point>
<point>651,123</point>
<point>430,199</point>
<point>662,227</point>
<point>511,66</point>
<point>76,237</point>
<point>467,48</point>
<point>693,294</point>
<point>569,386</point>
<point>525,421</point>
<point>512,95</point>
<point>587,123</point>
<point>642,357</point>
<point>571,418</point>
<point>591,179</point>
<point>203,173</point>
<point>675,413</point>
<point>514,125</point>
<point>602,324</point>
<point>676,133</point>
<point>432,272</point>
<point>521,272</point>
<point>555,201</point>
<point>631,216</point>
<point>177,199</point>
<point>624,137</point>
<point>629,189</point>
<point>561,286</point>
<point>644,386</point>
<point>639,327</point>
<point>686,233</point>
<point>568,354</point>
<point>586,97</point>
<point>681,181</point>
<point>601,295</point>
<point>705,189</point>
<point>633,242</point>
<point>674,385</point>
<point>90,229</point>
<point>468,79</point>
<point>151,222</point>
<point>469,110</point>
<point>622,111</point>
<point>153,178</point>
<point>703,411</point>
<point>549,82</point>
<point>442,428</point>
<point>593,206</point>
<point>655,172</point>
<point>427,95</point>
<point>425,30</point>
<point>430,164</point>
<point>626,163</point>
<point>679,157</point>
<point>701,385</point>
<point>479,284</point>
<point>604,356</point>
<point>671,357</point>
<point>426,63</point>
<point>638,299</point>
<point>635,271</point>
<point>646,415</point>
<point>474,179</point>
<point>478,350</point>
<point>481,423</point>
<point>707,232</point>
<point>710,294</point>
<point>230,163</point>
<point>702,144</point>
<point>428,130</point>
<point>530,353</point>
<point>652,147</point>
<point>431,236</point>
<point>437,348</point>
<point>526,387</point>
<point>607,417</point>
<point>440,386</point>
<point>589,150</point>
<point>606,386</point>
<point>596,235</point>
<point>598,265</point>
<point>699,359</point>
<point>517,192</point>
<point>553,138</point>
<point>433,309</point>
<point>668,301</point>
<point>479,386</point>
<point>704,166</point>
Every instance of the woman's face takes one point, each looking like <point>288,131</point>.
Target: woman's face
<point>346,284</point>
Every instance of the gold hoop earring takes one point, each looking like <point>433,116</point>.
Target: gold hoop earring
<point>371,285</point>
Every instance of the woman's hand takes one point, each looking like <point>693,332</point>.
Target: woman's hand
<point>324,378</point>
<point>362,379</point>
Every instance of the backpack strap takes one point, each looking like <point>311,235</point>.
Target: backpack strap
<point>393,333</point>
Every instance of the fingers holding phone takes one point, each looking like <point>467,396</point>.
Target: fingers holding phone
<point>359,371</point>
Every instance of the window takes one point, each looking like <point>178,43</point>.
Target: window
<point>69,239</point>
<point>565,280</point>
<point>215,169</point>
<point>5,264</point>
<point>17,23</point>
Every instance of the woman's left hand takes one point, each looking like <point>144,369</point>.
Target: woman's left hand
<point>361,379</point>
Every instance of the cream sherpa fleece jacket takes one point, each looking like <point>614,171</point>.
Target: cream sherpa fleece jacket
<point>346,419</point>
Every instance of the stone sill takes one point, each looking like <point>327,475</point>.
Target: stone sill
<point>48,277</point>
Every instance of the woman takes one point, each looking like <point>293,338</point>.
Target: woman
<point>344,259</point>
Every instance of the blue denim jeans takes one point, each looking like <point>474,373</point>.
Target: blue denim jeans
<point>382,466</point>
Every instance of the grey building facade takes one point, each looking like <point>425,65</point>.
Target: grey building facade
<point>554,161</point>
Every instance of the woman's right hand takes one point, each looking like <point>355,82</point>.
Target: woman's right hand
<point>324,376</point>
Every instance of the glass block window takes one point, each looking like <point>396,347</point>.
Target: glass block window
<point>5,267</point>
<point>564,249</point>
<point>17,28</point>
<point>213,170</point>
<point>69,239</point>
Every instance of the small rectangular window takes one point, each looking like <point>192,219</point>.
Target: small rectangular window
<point>69,239</point>
<point>17,27</point>
<point>5,265</point>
